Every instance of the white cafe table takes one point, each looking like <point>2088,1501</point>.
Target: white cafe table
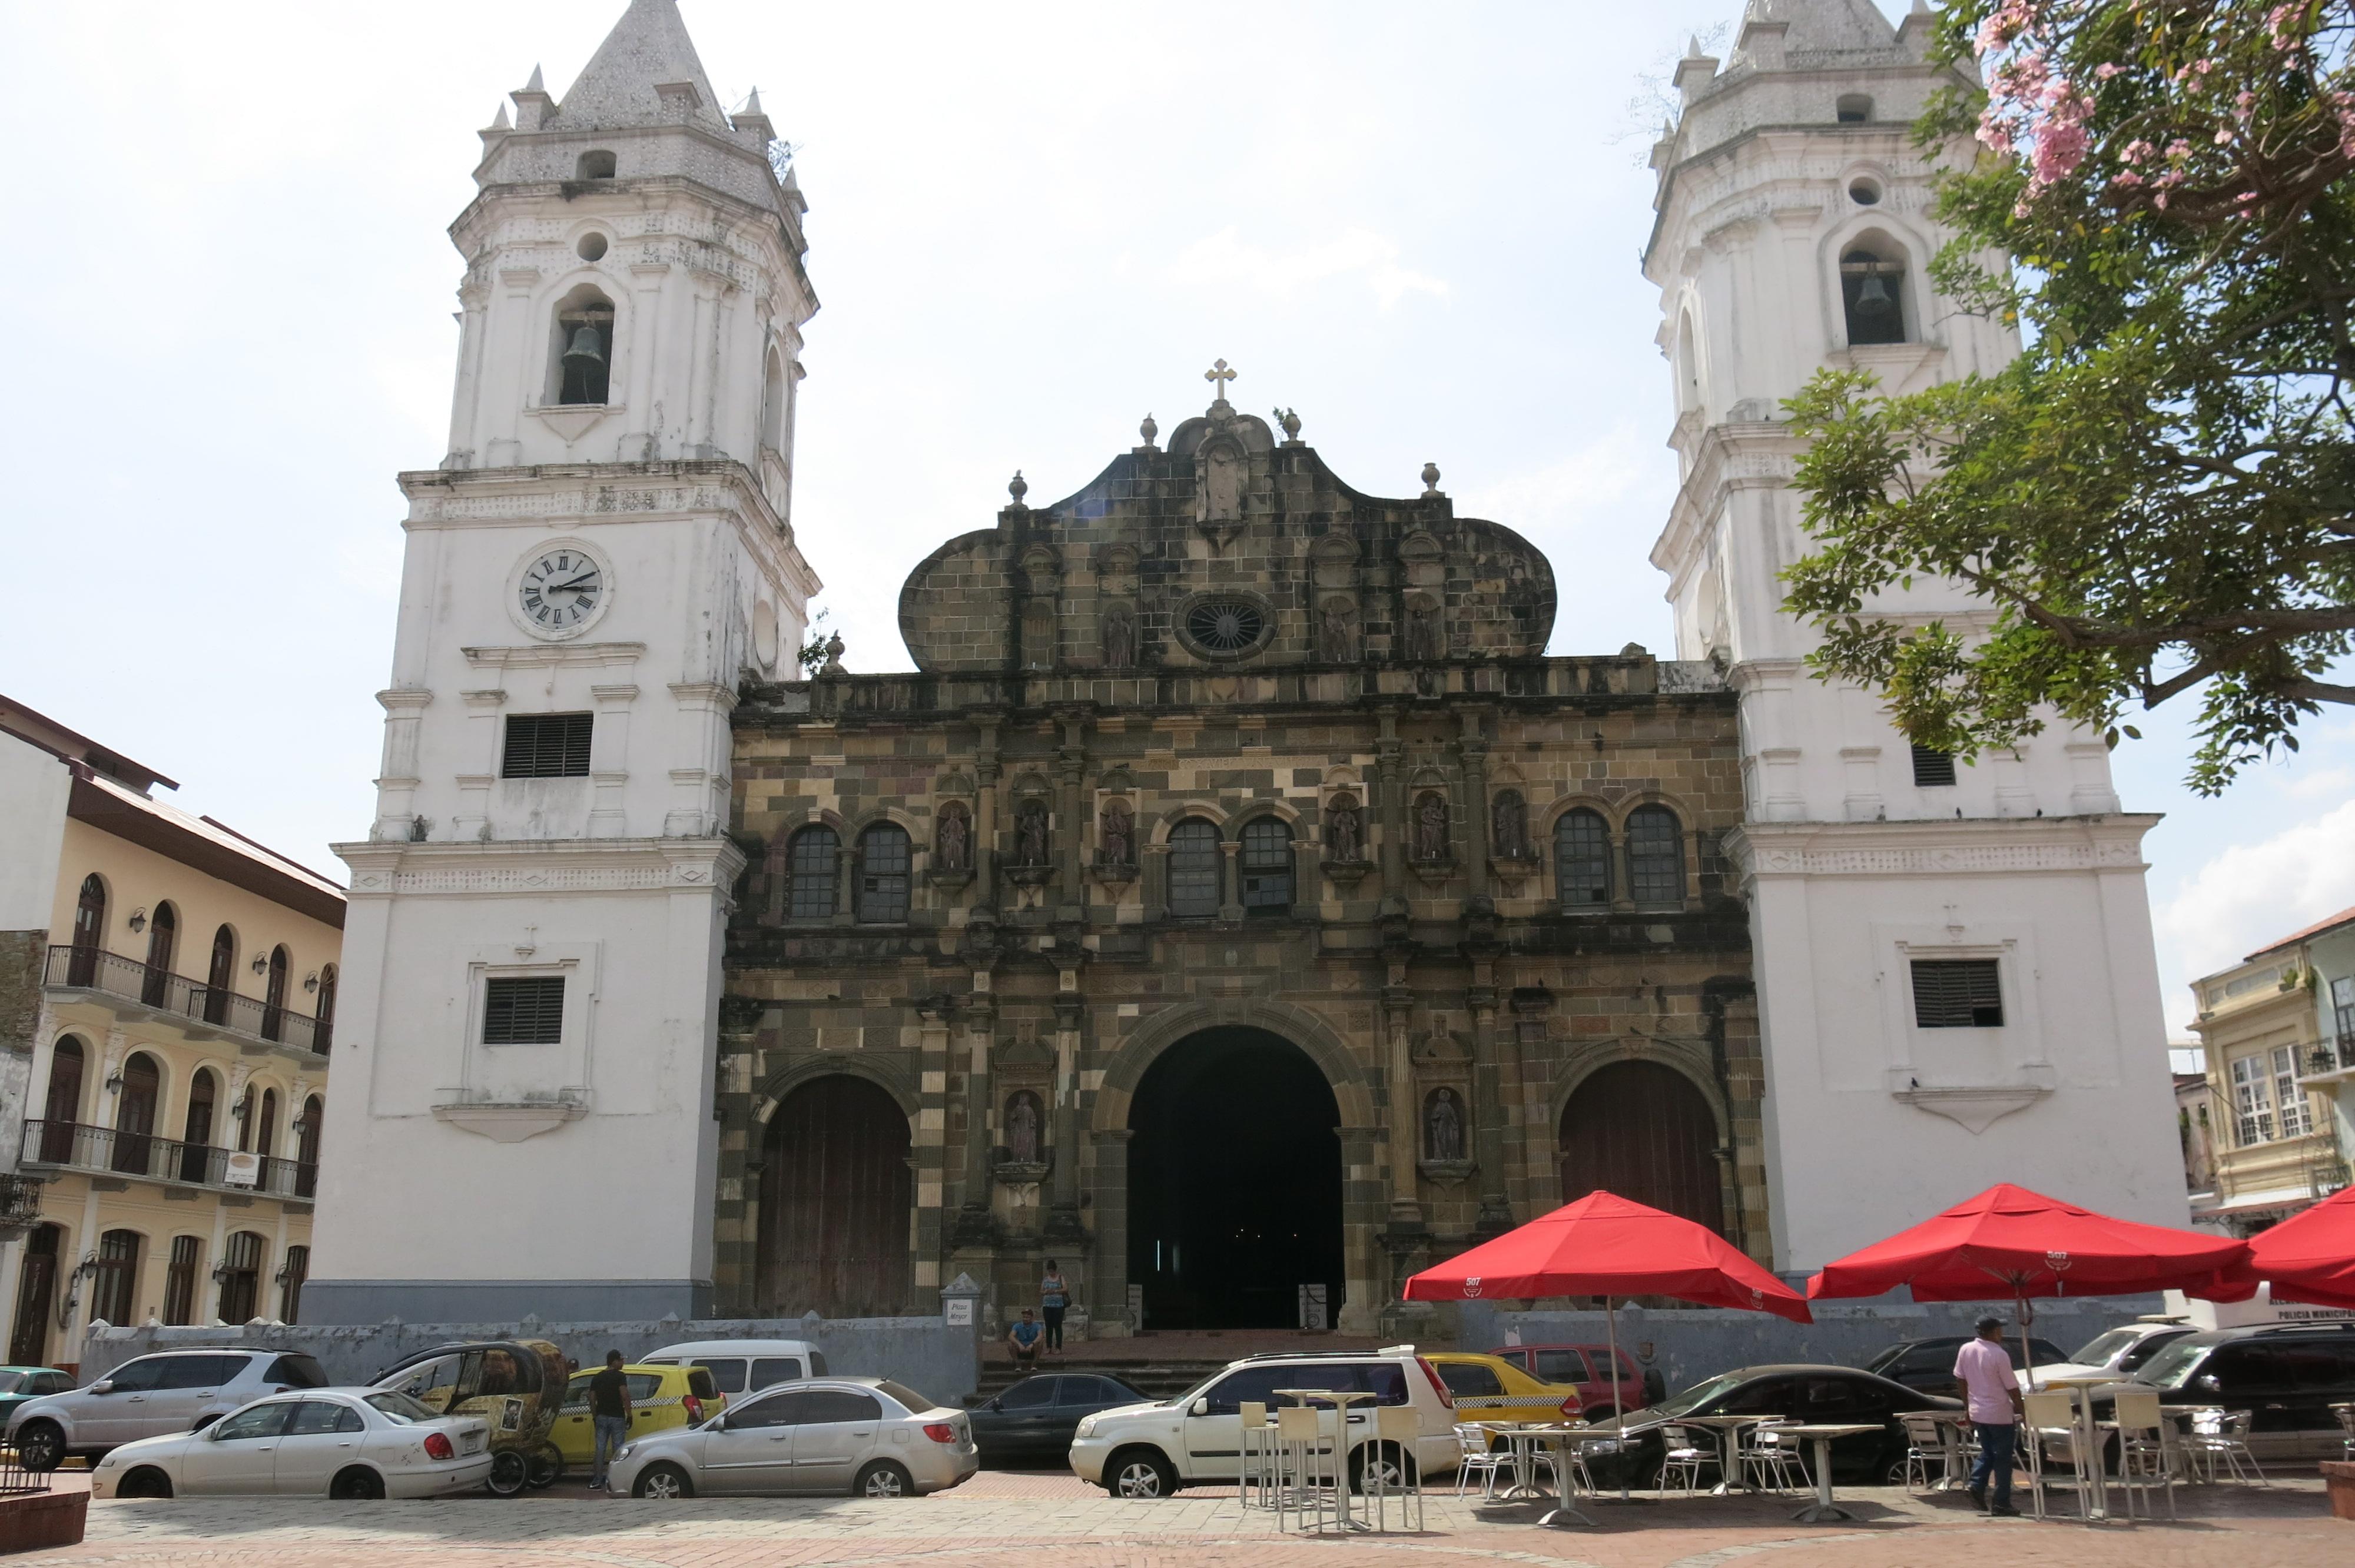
<point>1950,1439</point>
<point>1824,1509</point>
<point>1729,1445</point>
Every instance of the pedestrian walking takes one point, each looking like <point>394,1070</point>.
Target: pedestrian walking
<point>1025,1337</point>
<point>1984,1368</point>
<point>609,1409</point>
<point>1054,1295</point>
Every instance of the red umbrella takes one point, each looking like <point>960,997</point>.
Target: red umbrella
<point>2309,1257</point>
<point>2009,1241</point>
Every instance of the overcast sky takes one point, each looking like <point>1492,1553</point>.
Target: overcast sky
<point>228,311</point>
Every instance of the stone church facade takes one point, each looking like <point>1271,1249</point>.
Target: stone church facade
<point>1217,745</point>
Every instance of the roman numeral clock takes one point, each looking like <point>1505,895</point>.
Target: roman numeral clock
<point>561,590</point>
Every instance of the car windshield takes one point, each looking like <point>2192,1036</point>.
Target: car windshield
<point>11,1382</point>
<point>401,1407</point>
<point>1693,1398</point>
<point>2170,1366</point>
<point>2098,1349</point>
<point>916,1404</point>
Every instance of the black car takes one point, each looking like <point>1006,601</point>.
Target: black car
<point>2285,1375</point>
<point>1032,1421</point>
<point>1928,1364</point>
<point>1829,1395</point>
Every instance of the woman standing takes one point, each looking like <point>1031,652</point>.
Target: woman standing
<point>1054,1294</point>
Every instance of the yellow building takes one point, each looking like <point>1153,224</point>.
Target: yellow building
<point>2273,1147</point>
<point>167,1001</point>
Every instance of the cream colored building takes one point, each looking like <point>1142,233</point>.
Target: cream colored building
<point>2273,1149</point>
<point>165,1016</point>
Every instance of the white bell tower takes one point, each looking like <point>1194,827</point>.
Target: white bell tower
<point>1955,971</point>
<point>532,959</point>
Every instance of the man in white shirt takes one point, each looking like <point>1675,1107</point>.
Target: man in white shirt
<point>1992,1389</point>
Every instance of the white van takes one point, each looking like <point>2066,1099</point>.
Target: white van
<point>744,1366</point>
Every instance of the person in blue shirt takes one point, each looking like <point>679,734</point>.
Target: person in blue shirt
<point>1025,1337</point>
<point>1054,1295</point>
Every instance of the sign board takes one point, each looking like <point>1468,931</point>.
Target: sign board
<point>1136,1309</point>
<point>957,1312</point>
<point>243,1171</point>
<point>1312,1307</point>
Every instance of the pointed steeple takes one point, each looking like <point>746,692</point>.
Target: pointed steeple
<point>644,73</point>
<point>1834,26</point>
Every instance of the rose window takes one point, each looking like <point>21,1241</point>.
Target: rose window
<point>1224,625</point>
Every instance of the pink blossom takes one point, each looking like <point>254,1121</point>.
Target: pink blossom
<point>2125,177</point>
<point>2107,69</point>
<point>2179,149</point>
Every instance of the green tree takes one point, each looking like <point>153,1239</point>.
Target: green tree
<point>2157,496</point>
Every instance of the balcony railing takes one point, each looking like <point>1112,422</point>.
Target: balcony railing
<point>89,969</point>
<point>79,1147</point>
<point>20,1200</point>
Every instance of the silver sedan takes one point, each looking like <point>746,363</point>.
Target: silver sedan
<point>867,1437</point>
<point>349,1443</point>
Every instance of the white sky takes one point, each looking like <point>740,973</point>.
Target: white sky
<point>227,318</point>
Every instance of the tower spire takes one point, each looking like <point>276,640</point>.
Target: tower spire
<point>647,72</point>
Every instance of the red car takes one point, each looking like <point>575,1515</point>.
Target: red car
<point>1583,1365</point>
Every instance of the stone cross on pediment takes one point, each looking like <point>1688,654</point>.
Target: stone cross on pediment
<point>1218,376</point>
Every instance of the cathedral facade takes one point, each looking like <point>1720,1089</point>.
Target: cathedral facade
<point>1237,905</point>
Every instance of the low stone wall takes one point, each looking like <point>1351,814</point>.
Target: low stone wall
<point>926,1353</point>
<point>34,1521</point>
<point>1688,1344</point>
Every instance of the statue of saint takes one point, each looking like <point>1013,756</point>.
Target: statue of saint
<point>953,846</point>
<point>1345,830</point>
<point>1512,825</point>
<point>1333,638</point>
<point>1030,834</point>
<point>1119,639</point>
<point>1443,1126</point>
<point>1022,1128</point>
<point>1430,826</point>
<point>1422,632</point>
<point>1116,834</point>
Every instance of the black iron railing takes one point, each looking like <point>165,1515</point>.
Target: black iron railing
<point>89,969</point>
<point>79,1147</point>
<point>21,1204</point>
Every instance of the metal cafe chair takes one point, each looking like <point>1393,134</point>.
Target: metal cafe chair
<point>1680,1465</point>
<point>1769,1453</point>
<point>1925,1450</point>
<point>2224,1435</point>
<point>1481,1458</point>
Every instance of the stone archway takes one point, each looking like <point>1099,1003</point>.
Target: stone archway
<point>835,1197</point>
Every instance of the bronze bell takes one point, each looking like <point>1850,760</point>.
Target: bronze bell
<point>1873,297</point>
<point>585,347</point>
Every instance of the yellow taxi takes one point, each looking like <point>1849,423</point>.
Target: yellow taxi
<point>1489,1391</point>
<point>660,1397</point>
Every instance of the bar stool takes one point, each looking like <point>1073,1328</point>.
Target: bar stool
<point>1257,1481</point>
<point>2051,1418</point>
<point>1306,1482</point>
<point>2145,1456</point>
<point>1387,1467</point>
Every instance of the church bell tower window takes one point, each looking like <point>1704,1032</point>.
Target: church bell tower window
<point>583,347</point>
<point>1871,293</point>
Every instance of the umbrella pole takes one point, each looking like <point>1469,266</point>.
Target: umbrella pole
<point>1619,1414</point>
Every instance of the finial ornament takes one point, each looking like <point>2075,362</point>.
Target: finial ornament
<point>1290,421</point>
<point>1218,376</point>
<point>1018,487</point>
<point>1429,480</point>
<point>1150,430</point>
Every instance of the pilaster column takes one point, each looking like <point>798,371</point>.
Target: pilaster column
<point>985,773</point>
<point>404,712</point>
<point>1490,1089</point>
<point>1388,778</point>
<point>1406,1109</point>
<point>1107,1282</point>
<point>1473,745</point>
<point>980,1024</point>
<point>1070,1012</point>
<point>609,760</point>
<point>484,722</point>
<point>1231,881</point>
<point>935,1014</point>
<point>1070,772</point>
<point>1528,1177</point>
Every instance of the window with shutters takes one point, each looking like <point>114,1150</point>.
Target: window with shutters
<point>810,866</point>
<point>1957,993</point>
<point>523,1010</point>
<point>1582,860</point>
<point>1933,769</point>
<point>883,856</point>
<point>117,1278</point>
<point>180,1280</point>
<point>1266,867</point>
<point>545,746</point>
<point>1195,863</point>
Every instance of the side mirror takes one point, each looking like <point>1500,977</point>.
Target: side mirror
<point>1201,1407</point>
<point>2211,1383</point>
<point>103,1385</point>
<point>995,1404</point>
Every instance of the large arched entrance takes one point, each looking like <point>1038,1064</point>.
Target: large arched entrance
<point>1643,1132</point>
<point>1234,1183</point>
<point>835,1194</point>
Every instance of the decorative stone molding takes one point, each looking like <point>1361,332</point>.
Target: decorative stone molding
<point>1345,875</point>
<point>1976,1107</point>
<point>1447,1172</point>
<point>1938,848</point>
<point>510,1121</point>
<point>545,654</point>
<point>1434,873</point>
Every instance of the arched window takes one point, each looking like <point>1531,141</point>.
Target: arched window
<point>89,932</point>
<point>37,1289</point>
<point>581,351</point>
<point>1582,860</point>
<point>221,976</point>
<point>135,1116</point>
<point>297,1269</point>
<point>273,1000</point>
<point>1656,857</point>
<point>265,1137</point>
<point>307,1148</point>
<point>240,1291</point>
<point>1266,868</point>
<point>324,1036</point>
<point>163,936</point>
<point>197,1131</point>
<point>1872,287</point>
<point>1853,108</point>
<point>180,1280</point>
<point>810,867</point>
<point>773,403</point>
<point>62,1109</point>
<point>116,1283</point>
<point>596,165</point>
<point>883,856</point>
<point>1195,863</point>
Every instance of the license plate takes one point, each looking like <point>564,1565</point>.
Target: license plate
<point>473,1443</point>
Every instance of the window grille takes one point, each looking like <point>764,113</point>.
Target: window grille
<point>1582,860</point>
<point>883,854</point>
<point>812,867</point>
<point>1267,866</point>
<point>547,746</point>
<point>1655,855</point>
<point>1957,993</point>
<point>1933,769</point>
<point>524,1009</point>
<point>1194,868</point>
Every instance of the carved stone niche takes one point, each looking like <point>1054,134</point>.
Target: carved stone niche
<point>1032,862</point>
<point>1345,860</point>
<point>1023,1078</point>
<point>1116,862</point>
<point>1443,1130</point>
<point>953,846</point>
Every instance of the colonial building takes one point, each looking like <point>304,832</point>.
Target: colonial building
<point>1237,905</point>
<point>166,1128</point>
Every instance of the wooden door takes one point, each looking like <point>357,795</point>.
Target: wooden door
<point>135,1121</point>
<point>35,1295</point>
<point>1643,1132</point>
<point>89,930</point>
<point>836,1196</point>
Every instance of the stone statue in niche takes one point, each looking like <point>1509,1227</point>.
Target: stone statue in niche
<point>1119,637</point>
<point>1430,826</point>
<point>1335,642</point>
<point>1510,818</point>
<point>1345,830</point>
<point>1422,632</point>
<point>1443,1126</point>
<point>1222,487</point>
<point>1030,834</point>
<point>1022,1128</point>
<point>1116,834</point>
<point>953,841</point>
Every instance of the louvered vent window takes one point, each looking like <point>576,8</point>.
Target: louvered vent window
<point>1957,993</point>
<point>547,746</point>
<point>524,1009</point>
<point>1933,768</point>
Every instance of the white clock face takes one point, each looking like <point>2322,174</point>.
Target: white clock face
<point>560,591</point>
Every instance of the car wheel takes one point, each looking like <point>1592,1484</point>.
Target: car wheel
<point>1139,1473</point>
<point>883,1479</point>
<point>666,1483</point>
<point>146,1481</point>
<point>510,1473</point>
<point>358,1484</point>
<point>545,1467</point>
<point>41,1446</point>
<point>1386,1461</point>
<point>1893,1474</point>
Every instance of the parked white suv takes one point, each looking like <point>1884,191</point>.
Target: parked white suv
<point>170,1390</point>
<point>1151,1450</point>
<point>2120,1352</point>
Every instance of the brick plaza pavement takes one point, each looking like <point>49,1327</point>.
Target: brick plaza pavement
<point>1022,1520</point>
